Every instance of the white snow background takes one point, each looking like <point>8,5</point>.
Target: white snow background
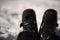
<point>11,15</point>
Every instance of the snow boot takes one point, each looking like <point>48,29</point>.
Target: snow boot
<point>29,24</point>
<point>48,24</point>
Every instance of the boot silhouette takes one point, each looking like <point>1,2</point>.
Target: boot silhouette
<point>48,25</point>
<point>29,24</point>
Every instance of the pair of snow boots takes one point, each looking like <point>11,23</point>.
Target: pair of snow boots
<point>29,24</point>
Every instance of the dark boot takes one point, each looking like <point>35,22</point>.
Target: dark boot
<point>49,24</point>
<point>29,21</point>
<point>29,24</point>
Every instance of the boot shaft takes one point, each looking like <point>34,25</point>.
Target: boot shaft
<point>29,20</point>
<point>49,23</point>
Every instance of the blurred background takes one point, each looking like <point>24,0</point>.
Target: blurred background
<point>11,15</point>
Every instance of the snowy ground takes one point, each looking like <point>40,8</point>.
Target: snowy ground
<point>11,14</point>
